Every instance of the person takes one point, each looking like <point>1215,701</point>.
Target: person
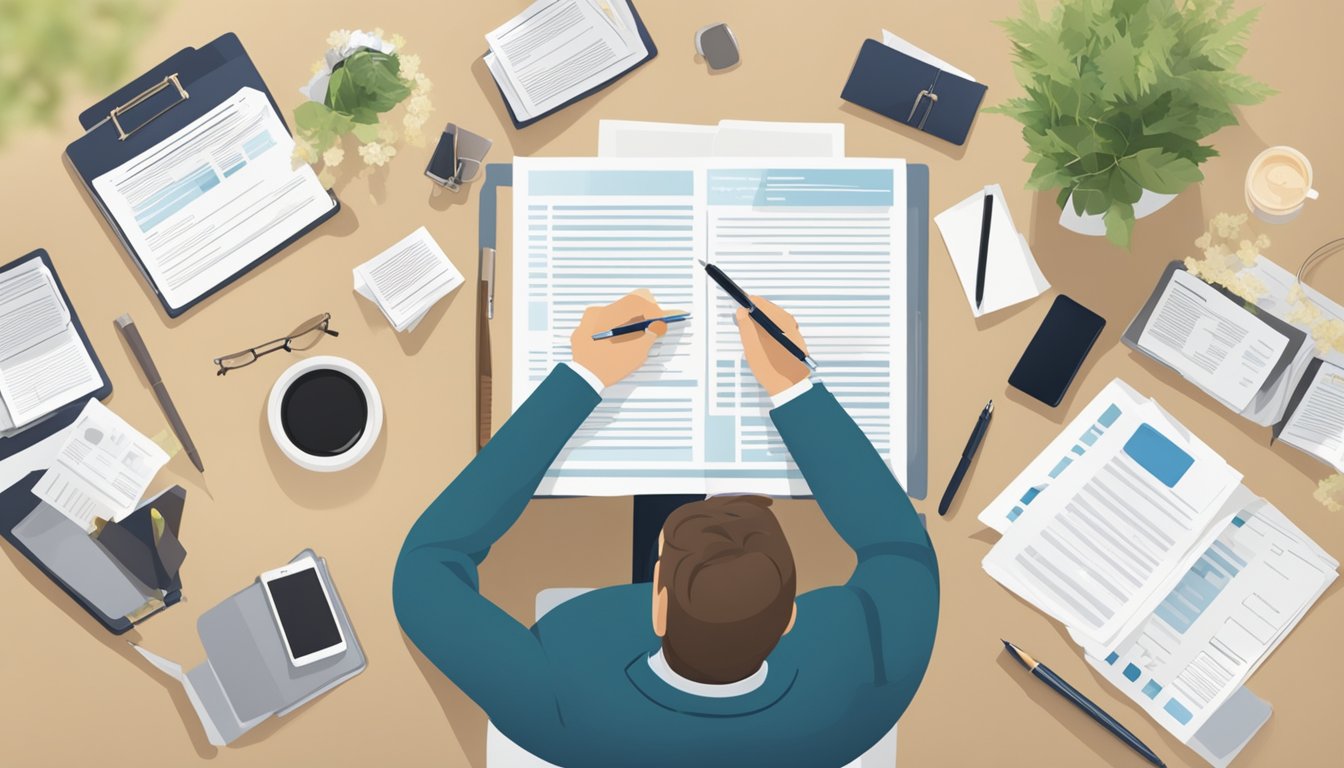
<point>734,668</point>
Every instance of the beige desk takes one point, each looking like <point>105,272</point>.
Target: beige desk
<point>71,694</point>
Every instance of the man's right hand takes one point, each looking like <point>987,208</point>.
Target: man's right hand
<point>773,366</point>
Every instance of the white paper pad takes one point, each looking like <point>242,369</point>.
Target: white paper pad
<point>408,279</point>
<point>1011,273</point>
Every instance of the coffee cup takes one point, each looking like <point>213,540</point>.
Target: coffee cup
<point>1278,184</point>
<point>325,413</point>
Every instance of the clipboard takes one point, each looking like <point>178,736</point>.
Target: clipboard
<point>154,106</point>
<point>917,306</point>
<point>913,92</point>
<point>64,416</point>
<point>648,45</point>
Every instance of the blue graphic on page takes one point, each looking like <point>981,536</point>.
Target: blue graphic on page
<point>1079,448</point>
<point>1162,458</point>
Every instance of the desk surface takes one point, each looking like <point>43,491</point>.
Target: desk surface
<point>74,695</point>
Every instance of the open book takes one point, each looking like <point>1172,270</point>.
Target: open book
<point>825,239</point>
<point>1176,580</point>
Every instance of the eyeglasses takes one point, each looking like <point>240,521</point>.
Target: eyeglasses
<point>303,337</point>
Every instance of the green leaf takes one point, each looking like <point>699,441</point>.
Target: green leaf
<point>365,133</point>
<point>1119,221</point>
<point>1160,171</point>
<point>1122,188</point>
<point>1092,195</point>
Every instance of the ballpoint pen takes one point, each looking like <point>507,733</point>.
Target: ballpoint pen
<point>137,344</point>
<point>967,453</point>
<point>740,296</point>
<point>640,325</point>
<point>982,264</point>
<point>1047,676</point>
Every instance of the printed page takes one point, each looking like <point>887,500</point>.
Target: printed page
<point>1317,424</point>
<point>214,197</point>
<point>1212,340</point>
<point>588,232</point>
<point>103,469</point>
<point>408,279</point>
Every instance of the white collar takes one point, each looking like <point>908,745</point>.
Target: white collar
<point>709,690</point>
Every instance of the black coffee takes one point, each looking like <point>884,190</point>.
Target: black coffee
<point>324,412</point>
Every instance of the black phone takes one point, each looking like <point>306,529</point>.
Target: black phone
<point>1057,351</point>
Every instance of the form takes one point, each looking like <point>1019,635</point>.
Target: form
<point>205,203</point>
<point>43,363</point>
<point>1212,340</point>
<point>558,49</point>
<point>406,280</point>
<point>1316,425</point>
<point>102,470</point>
<point>826,241</point>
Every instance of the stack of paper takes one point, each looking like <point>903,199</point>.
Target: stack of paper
<point>730,138</point>
<point>43,363</point>
<point>1011,274</point>
<point>1176,580</point>
<point>102,470</point>
<point>557,50</point>
<point>409,278</point>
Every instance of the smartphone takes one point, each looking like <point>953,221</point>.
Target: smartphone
<point>303,612</point>
<point>1057,351</point>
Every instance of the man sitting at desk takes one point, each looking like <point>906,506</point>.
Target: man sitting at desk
<point>731,670</point>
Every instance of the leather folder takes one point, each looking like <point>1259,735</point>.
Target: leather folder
<point>913,92</point>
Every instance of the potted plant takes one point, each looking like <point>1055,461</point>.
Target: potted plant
<point>1119,95</point>
<point>363,77</point>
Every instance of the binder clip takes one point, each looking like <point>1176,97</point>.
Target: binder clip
<point>457,157</point>
<point>145,95</point>
<point>926,94</point>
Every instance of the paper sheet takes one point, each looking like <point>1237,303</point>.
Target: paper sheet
<point>102,470</point>
<point>43,363</point>
<point>1317,424</point>
<point>825,238</point>
<point>1011,273</point>
<point>1212,340</point>
<point>408,279</point>
<point>895,42</point>
<point>558,49</point>
<point>634,138</point>
<point>730,138</point>
<point>204,203</point>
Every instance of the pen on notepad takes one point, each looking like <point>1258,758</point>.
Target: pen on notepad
<point>641,325</point>
<point>982,264</point>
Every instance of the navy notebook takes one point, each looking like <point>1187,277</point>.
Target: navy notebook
<point>913,92</point>
<point>648,44</point>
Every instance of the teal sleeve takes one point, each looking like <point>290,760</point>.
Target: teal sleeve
<point>493,658</point>
<point>896,579</point>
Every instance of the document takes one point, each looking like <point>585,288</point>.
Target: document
<point>897,43</point>
<point>203,204</point>
<point>103,469</point>
<point>1316,425</point>
<point>408,279</point>
<point>825,239</point>
<point>43,363</point>
<point>1212,340</point>
<point>1011,273</point>
<point>558,49</point>
<point>730,138</point>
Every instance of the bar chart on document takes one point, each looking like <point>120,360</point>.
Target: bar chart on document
<point>820,241</point>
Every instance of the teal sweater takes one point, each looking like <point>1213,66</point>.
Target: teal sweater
<point>576,688</point>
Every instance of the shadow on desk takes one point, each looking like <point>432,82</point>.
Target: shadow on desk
<point>464,717</point>
<point>319,490</point>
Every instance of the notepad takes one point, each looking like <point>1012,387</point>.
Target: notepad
<point>1011,273</point>
<point>408,279</point>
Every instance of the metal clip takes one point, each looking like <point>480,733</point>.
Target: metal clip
<point>122,133</point>
<point>927,93</point>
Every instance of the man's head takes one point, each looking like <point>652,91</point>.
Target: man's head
<point>723,588</point>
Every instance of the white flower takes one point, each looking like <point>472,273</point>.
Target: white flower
<point>326,178</point>
<point>333,157</point>
<point>412,122</point>
<point>410,66</point>
<point>422,83</point>
<point>419,106</point>
<point>397,41</point>
<point>339,39</point>
<point>377,154</point>
<point>304,150</point>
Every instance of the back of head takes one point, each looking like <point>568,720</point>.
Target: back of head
<point>730,583</point>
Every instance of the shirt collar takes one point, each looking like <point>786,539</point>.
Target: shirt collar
<point>658,663</point>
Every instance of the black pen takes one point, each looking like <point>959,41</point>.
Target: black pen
<point>983,263</point>
<point>640,325</point>
<point>1047,676</point>
<point>972,445</point>
<point>740,296</point>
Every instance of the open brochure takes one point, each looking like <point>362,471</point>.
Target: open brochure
<point>1176,580</point>
<point>824,238</point>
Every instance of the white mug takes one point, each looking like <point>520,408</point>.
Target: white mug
<point>1278,184</point>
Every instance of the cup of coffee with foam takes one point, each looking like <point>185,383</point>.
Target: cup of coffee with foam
<point>1278,184</point>
<point>325,413</point>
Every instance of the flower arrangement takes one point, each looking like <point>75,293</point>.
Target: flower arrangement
<point>363,77</point>
<point>1331,493</point>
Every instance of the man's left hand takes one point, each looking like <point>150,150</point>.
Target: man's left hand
<point>615,358</point>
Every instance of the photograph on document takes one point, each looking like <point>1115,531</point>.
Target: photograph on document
<point>44,364</point>
<point>826,241</point>
<point>214,197</point>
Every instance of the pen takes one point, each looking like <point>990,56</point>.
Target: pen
<point>968,453</point>
<point>636,327</point>
<point>980,265</point>
<point>151,371</point>
<point>1045,675</point>
<point>740,296</point>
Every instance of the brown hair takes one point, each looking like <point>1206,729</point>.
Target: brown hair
<point>730,582</point>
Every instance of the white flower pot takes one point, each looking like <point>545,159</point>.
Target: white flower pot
<point>1095,224</point>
